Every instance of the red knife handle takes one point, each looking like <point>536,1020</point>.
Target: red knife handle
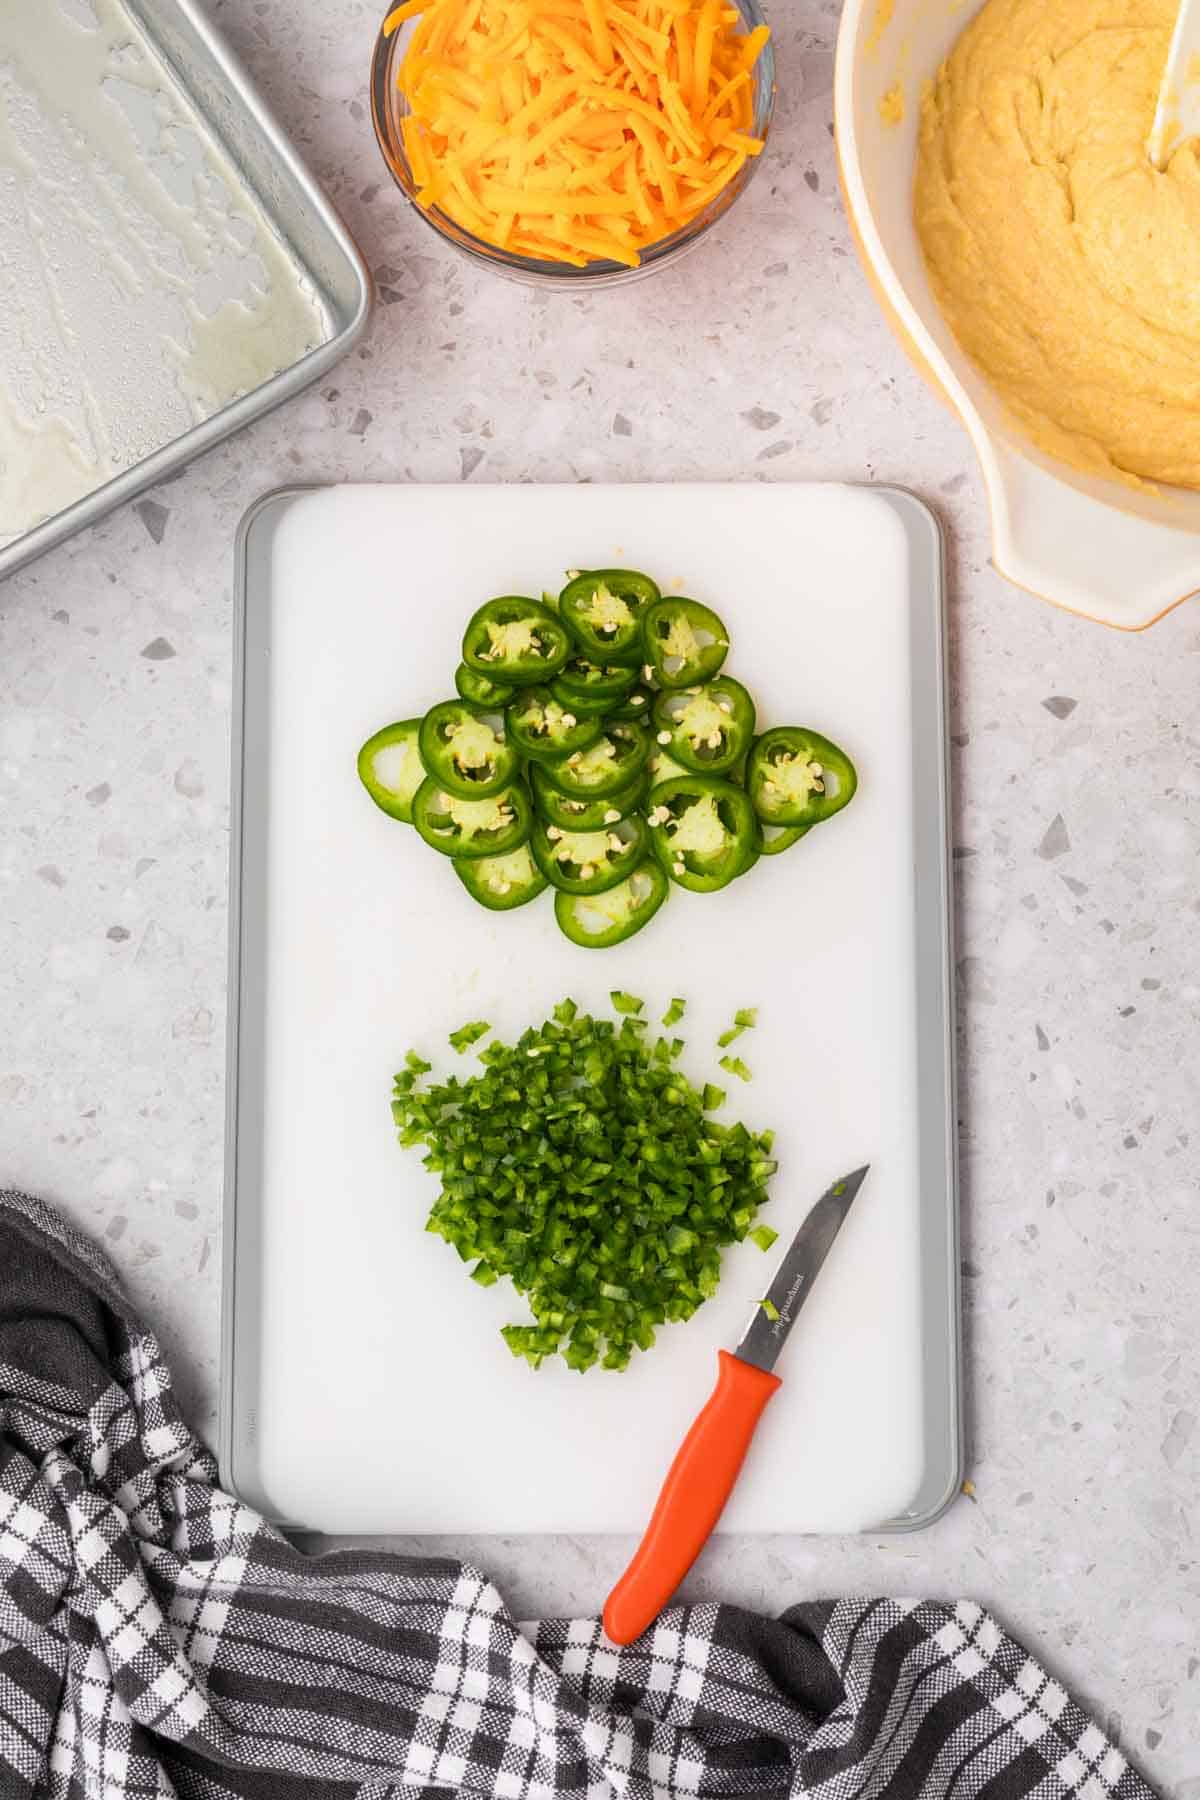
<point>693,1497</point>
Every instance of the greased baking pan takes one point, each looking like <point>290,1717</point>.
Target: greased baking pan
<point>170,270</point>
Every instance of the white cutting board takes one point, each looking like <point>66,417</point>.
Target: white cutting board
<point>374,1392</point>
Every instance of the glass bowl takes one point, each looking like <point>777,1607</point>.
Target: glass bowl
<point>388,107</point>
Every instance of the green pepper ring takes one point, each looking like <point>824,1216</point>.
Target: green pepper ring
<point>557,808</point>
<point>704,872</point>
<point>545,854</point>
<point>480,690</point>
<point>579,736</point>
<point>395,802</point>
<point>589,687</point>
<point>569,908</point>
<point>563,775</point>
<point>700,618</point>
<point>511,609</point>
<point>785,837</point>
<point>814,807</point>
<point>737,734</point>
<point>438,756</point>
<point>628,585</point>
<point>510,838</point>
<point>472,872</point>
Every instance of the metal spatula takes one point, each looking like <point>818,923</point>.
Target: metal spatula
<point>1177,115</point>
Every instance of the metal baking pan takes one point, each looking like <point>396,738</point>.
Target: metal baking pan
<point>273,1213</point>
<point>162,240</point>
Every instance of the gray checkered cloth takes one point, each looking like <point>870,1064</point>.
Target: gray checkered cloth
<point>158,1638</point>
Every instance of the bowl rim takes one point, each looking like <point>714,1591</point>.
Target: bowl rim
<point>908,327</point>
<point>602,272</point>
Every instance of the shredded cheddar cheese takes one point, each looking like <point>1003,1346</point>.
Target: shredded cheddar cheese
<point>574,131</point>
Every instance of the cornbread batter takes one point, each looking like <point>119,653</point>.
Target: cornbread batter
<point>1067,266</point>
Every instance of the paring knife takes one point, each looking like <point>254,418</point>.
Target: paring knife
<point>701,1478</point>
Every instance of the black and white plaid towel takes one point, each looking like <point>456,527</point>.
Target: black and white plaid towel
<point>157,1638</point>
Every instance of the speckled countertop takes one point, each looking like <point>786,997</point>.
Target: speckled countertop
<point>1077,832</point>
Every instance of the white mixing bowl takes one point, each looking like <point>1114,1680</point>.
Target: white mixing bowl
<point>1097,547</point>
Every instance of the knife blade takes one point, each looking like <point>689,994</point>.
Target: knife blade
<point>707,1464</point>
<point>776,1313</point>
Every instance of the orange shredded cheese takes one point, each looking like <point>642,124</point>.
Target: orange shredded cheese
<point>573,131</point>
